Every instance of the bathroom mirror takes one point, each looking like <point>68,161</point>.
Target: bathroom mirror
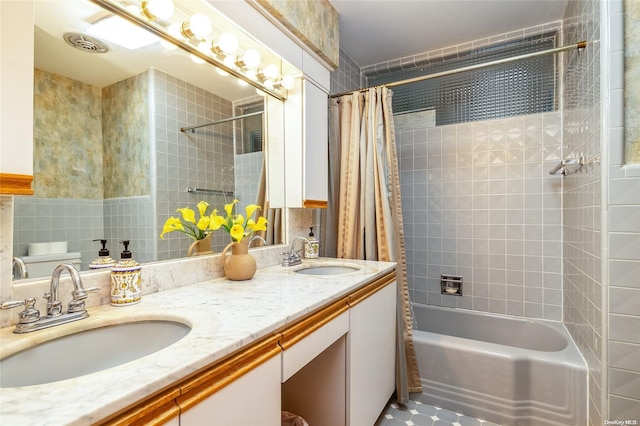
<point>110,160</point>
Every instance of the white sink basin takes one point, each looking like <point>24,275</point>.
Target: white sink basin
<point>327,269</point>
<point>88,352</point>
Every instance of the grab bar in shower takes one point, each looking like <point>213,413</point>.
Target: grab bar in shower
<point>562,168</point>
<point>570,166</point>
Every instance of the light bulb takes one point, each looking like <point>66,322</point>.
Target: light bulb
<point>242,82</point>
<point>228,43</point>
<point>250,59</point>
<point>198,26</point>
<point>260,92</point>
<point>157,9</point>
<point>288,81</point>
<point>270,72</point>
<point>222,72</point>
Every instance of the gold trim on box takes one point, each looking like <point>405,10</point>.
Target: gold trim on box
<point>314,204</point>
<point>377,285</point>
<point>15,184</point>
<point>156,410</point>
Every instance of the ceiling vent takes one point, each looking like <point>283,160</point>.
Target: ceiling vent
<point>86,43</point>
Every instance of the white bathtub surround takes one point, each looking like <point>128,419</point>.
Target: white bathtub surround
<point>505,369</point>
<point>478,202</point>
<point>224,316</point>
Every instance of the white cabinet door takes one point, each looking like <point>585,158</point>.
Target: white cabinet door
<point>316,146</point>
<point>253,399</point>
<point>16,102</point>
<point>371,356</point>
<point>306,143</point>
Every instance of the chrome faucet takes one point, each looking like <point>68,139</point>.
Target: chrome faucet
<point>30,319</point>
<point>21,267</point>
<point>54,306</point>
<point>292,257</point>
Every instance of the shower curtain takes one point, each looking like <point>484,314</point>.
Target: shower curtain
<point>364,219</point>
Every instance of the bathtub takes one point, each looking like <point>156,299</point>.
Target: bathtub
<point>508,370</point>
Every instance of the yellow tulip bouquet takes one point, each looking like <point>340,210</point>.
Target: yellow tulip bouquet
<point>235,224</point>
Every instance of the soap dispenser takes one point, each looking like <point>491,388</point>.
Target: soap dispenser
<point>311,248</point>
<point>126,279</point>
<point>103,260</point>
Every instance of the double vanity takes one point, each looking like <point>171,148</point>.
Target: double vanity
<point>316,339</point>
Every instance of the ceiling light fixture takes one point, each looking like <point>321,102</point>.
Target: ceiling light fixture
<point>116,30</point>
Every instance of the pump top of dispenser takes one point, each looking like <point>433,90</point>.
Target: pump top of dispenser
<point>104,251</point>
<point>126,261</point>
<point>103,260</point>
<point>126,254</point>
<point>311,231</point>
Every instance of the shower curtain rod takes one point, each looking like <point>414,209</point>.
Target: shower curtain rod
<point>224,120</point>
<point>579,45</point>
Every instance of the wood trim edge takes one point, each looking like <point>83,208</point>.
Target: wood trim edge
<point>314,204</point>
<point>368,290</point>
<point>156,410</point>
<point>307,325</point>
<point>213,378</point>
<point>13,184</point>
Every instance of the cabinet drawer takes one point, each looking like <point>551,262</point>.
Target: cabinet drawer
<point>300,354</point>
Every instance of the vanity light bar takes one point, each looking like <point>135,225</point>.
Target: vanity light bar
<point>160,31</point>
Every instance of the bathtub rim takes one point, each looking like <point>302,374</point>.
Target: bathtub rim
<point>570,354</point>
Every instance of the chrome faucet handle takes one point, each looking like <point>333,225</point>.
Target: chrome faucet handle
<point>29,314</point>
<point>54,307</point>
<point>77,304</point>
<point>286,258</point>
<point>81,293</point>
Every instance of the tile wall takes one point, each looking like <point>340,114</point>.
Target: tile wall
<point>347,77</point>
<point>202,159</point>
<point>582,205</point>
<point>129,218</point>
<point>478,202</point>
<point>44,220</point>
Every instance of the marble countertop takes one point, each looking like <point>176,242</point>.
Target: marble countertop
<point>224,316</point>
